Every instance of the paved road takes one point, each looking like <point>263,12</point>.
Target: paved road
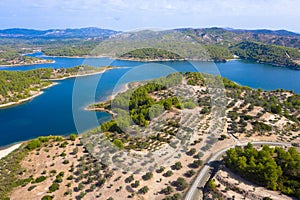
<point>203,174</point>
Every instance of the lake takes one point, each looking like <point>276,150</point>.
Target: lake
<point>60,109</point>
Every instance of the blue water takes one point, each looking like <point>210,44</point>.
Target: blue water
<point>60,110</point>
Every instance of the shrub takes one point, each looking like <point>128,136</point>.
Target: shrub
<point>73,137</point>
<point>177,166</point>
<point>144,190</point>
<point>129,179</point>
<point>118,143</point>
<point>168,173</point>
<point>33,144</point>
<point>47,197</point>
<point>190,173</point>
<point>135,184</point>
<point>180,184</point>
<point>161,169</point>
<point>53,187</point>
<point>65,162</point>
<point>168,190</point>
<point>147,176</point>
<point>40,179</point>
<point>191,152</point>
<point>31,187</point>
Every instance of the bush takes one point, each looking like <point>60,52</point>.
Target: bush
<point>144,190</point>
<point>118,143</point>
<point>65,162</point>
<point>73,137</point>
<point>33,144</point>
<point>177,166</point>
<point>190,173</point>
<point>31,187</point>
<point>53,187</point>
<point>47,197</point>
<point>147,176</point>
<point>168,190</point>
<point>168,173</point>
<point>180,184</point>
<point>196,163</point>
<point>191,152</point>
<point>40,179</point>
<point>161,169</point>
<point>135,184</point>
<point>129,179</point>
<point>63,145</point>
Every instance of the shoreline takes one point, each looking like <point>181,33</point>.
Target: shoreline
<point>142,60</point>
<point>79,75</point>
<point>17,65</point>
<point>4,151</point>
<point>123,89</point>
<point>9,104</point>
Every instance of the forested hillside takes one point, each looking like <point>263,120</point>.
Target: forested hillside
<point>274,168</point>
<point>264,53</point>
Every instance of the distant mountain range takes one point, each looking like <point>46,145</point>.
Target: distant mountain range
<point>56,33</point>
<point>99,32</point>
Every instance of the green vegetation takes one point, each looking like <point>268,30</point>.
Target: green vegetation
<point>17,85</point>
<point>177,165</point>
<point>12,57</point>
<point>147,176</point>
<point>40,179</point>
<point>54,187</point>
<point>69,50</point>
<point>73,137</point>
<point>144,190</point>
<point>218,53</point>
<point>33,144</point>
<point>141,106</point>
<point>180,184</point>
<point>10,167</point>
<point>273,168</point>
<point>150,54</point>
<point>47,197</point>
<point>265,53</point>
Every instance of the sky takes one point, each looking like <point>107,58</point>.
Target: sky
<point>128,15</point>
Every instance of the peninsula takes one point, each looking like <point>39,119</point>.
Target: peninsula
<point>22,86</point>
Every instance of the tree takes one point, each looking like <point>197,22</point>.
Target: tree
<point>135,184</point>
<point>33,144</point>
<point>168,190</point>
<point>53,187</point>
<point>73,137</point>
<point>190,173</point>
<point>168,173</point>
<point>177,166</point>
<point>276,109</point>
<point>212,184</point>
<point>180,184</point>
<point>144,190</point>
<point>148,176</point>
<point>47,197</point>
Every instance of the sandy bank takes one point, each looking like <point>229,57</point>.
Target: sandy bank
<point>8,150</point>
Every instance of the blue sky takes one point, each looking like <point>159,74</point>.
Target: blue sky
<point>161,14</point>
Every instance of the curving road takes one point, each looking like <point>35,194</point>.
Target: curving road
<point>202,177</point>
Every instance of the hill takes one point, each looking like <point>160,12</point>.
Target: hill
<point>56,33</point>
